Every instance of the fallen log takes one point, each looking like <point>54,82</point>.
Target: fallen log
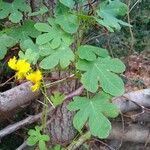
<point>132,100</point>
<point>22,94</point>
<point>31,119</point>
<point>17,96</point>
<point>133,133</point>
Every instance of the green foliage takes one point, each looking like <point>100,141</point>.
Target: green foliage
<point>57,98</point>
<point>29,52</point>
<point>29,55</point>
<point>24,32</point>
<point>67,3</point>
<point>90,53</point>
<point>5,42</point>
<point>62,55</point>
<point>28,44</point>
<point>68,22</point>
<point>53,34</point>
<point>57,147</point>
<point>57,43</point>
<point>35,137</point>
<point>102,71</point>
<point>13,10</point>
<point>42,11</point>
<point>95,112</point>
<point>109,11</point>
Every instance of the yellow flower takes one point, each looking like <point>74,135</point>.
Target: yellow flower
<point>23,70</point>
<point>12,63</point>
<point>22,67</point>
<point>36,78</point>
<point>36,86</point>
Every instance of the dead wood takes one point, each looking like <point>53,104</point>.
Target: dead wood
<point>17,96</point>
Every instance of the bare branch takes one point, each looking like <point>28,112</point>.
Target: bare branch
<point>29,120</point>
<point>11,128</point>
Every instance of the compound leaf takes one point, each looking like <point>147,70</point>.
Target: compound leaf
<point>109,11</point>
<point>14,10</point>
<point>36,136</point>
<point>68,22</point>
<point>30,55</point>
<point>62,55</point>
<point>95,112</point>
<point>5,42</point>
<point>102,71</point>
<point>90,53</point>
<point>53,34</point>
<point>24,32</point>
<point>57,98</point>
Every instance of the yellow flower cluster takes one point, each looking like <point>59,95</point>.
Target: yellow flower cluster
<point>23,70</point>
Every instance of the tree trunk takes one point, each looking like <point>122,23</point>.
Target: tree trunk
<point>61,128</point>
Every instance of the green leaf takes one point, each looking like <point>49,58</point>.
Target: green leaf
<point>32,132</point>
<point>45,138</point>
<point>5,42</point>
<point>90,53</point>
<point>45,49</point>
<point>95,112</point>
<point>28,44</point>
<point>36,136</point>
<point>68,22</point>
<point>102,71</point>
<point>109,11</point>
<point>32,140</point>
<point>42,11</point>
<point>57,147</point>
<point>24,32</point>
<point>52,34</point>
<point>61,9</point>
<point>14,10</point>
<point>63,56</point>
<point>30,51</point>
<point>57,98</point>
<point>42,145</point>
<point>16,16</point>
<point>68,3</point>
<point>30,55</point>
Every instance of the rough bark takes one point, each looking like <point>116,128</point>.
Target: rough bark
<point>61,127</point>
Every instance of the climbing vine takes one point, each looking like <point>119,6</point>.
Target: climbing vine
<point>59,43</point>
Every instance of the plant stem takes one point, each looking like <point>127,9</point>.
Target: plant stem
<point>77,143</point>
<point>58,81</point>
<point>2,84</point>
<point>45,107</point>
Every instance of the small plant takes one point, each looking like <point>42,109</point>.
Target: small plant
<point>57,98</point>
<point>35,137</point>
